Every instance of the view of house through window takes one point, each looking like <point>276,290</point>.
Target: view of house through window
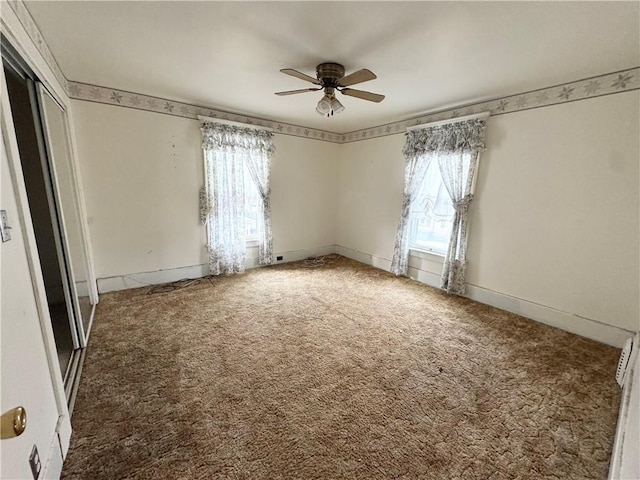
<point>252,206</point>
<point>431,218</point>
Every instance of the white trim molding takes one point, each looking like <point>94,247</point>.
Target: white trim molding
<point>569,322</point>
<point>31,28</point>
<point>158,277</point>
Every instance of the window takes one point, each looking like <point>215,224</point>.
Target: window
<point>431,218</point>
<point>252,206</point>
<point>237,160</point>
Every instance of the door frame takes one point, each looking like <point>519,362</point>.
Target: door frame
<point>22,34</point>
<point>63,427</point>
<point>14,26</point>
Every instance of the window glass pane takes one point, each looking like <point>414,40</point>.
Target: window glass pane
<point>432,214</point>
<point>252,205</point>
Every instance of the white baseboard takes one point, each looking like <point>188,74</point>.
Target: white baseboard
<point>422,276</point>
<point>567,321</point>
<point>296,255</point>
<point>158,277</point>
<point>378,262</point>
<point>144,279</point>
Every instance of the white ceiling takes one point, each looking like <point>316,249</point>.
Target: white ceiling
<point>427,55</point>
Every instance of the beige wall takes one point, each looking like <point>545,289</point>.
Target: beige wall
<point>370,187</point>
<point>555,221</point>
<point>142,171</point>
<point>557,217</point>
<point>304,194</point>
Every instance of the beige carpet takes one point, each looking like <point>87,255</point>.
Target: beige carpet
<point>336,372</point>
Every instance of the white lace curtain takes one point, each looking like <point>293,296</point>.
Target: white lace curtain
<point>227,150</point>
<point>456,147</point>
<point>415,169</point>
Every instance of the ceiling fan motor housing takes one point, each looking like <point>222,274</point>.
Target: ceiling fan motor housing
<point>329,74</point>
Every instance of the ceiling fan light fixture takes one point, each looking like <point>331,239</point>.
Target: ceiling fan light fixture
<point>329,106</point>
<point>324,106</point>
<point>336,106</point>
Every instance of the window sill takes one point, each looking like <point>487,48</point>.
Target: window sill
<point>427,254</point>
<point>252,242</point>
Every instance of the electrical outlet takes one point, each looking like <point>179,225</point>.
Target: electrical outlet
<point>34,463</point>
<point>279,258</point>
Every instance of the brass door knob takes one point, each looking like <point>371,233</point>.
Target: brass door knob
<point>13,422</point>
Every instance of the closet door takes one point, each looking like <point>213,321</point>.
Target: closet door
<point>27,127</point>
<point>31,377</point>
<point>64,178</point>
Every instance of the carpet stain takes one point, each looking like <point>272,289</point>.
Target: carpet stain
<point>342,371</point>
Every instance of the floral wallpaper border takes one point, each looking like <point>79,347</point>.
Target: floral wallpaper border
<point>611,83</point>
<point>113,96</point>
<point>607,84</point>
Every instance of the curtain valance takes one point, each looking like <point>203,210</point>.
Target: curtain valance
<point>466,136</point>
<point>223,136</point>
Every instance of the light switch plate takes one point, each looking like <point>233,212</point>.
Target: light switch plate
<point>4,225</point>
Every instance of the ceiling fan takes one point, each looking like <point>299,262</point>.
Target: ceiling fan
<point>330,77</point>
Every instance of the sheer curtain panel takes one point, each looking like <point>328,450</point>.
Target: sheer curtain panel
<point>415,168</point>
<point>260,171</point>
<point>458,162</point>
<point>227,149</point>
